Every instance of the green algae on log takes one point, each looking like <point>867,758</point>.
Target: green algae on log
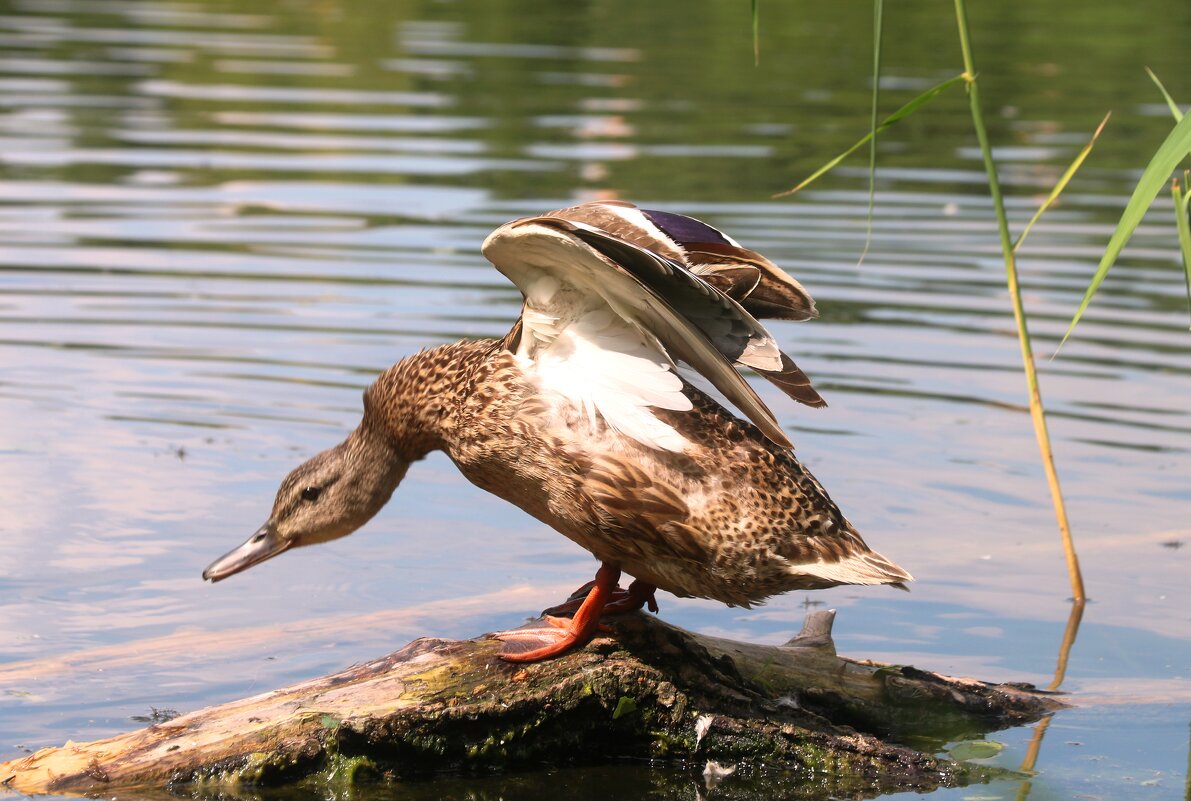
<point>655,691</point>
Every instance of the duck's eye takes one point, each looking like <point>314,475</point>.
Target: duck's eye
<point>311,493</point>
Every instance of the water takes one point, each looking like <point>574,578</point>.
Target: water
<point>220,220</point>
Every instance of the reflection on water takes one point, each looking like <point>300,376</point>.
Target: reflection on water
<point>220,220</point>
<point>1029,762</point>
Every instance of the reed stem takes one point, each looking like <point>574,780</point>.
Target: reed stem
<point>1037,411</point>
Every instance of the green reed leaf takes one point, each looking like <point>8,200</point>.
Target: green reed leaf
<point>878,29</point>
<point>1181,196</point>
<point>1174,107</point>
<point>895,117</point>
<point>1062,182</point>
<point>1173,150</point>
<point>756,33</point>
<point>1182,215</point>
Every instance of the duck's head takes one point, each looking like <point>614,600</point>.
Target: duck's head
<point>328,497</point>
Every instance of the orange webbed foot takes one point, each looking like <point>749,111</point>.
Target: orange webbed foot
<point>559,635</point>
<point>535,643</point>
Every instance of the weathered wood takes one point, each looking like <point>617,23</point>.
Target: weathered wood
<point>654,691</point>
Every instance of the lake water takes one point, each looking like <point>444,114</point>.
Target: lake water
<point>219,221</point>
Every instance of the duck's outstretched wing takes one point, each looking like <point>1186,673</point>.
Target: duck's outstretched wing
<point>567,285</point>
<point>568,269</point>
<point>761,287</point>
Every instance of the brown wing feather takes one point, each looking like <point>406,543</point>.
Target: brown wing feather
<point>734,280</point>
<point>598,215</point>
<point>777,294</point>
<point>795,383</point>
<point>513,339</point>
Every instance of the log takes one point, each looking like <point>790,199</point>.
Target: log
<point>828,723</point>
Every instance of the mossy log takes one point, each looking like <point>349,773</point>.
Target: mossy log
<point>655,691</point>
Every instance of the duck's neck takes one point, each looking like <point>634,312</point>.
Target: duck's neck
<point>415,401</point>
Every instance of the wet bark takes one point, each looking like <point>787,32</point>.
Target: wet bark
<point>828,724</point>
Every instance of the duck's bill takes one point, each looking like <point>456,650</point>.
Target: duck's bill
<point>262,545</point>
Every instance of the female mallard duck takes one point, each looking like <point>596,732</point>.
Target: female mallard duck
<point>582,417</point>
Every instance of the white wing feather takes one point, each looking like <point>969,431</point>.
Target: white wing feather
<point>603,364</point>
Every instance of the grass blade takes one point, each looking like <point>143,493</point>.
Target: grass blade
<point>756,33</point>
<point>1176,148</point>
<point>1182,215</point>
<point>897,116</point>
<point>1181,196</point>
<point>878,27</point>
<point>1063,181</point>
<point>1174,107</point>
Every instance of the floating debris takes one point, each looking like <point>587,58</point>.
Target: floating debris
<point>156,715</point>
<point>715,773</point>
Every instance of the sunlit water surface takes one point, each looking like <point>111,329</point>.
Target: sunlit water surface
<point>219,221</point>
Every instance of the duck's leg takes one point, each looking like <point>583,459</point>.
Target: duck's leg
<point>571,605</point>
<point>637,596</point>
<point>576,632</point>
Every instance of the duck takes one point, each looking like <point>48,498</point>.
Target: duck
<point>615,412</point>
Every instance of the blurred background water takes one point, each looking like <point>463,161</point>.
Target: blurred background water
<point>219,220</point>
